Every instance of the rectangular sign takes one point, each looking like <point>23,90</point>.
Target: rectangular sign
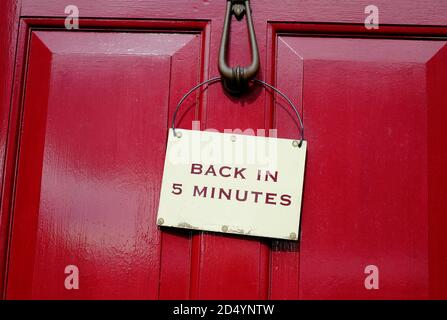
<point>232,183</point>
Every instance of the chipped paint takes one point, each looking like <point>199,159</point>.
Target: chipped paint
<point>240,231</point>
<point>185,225</point>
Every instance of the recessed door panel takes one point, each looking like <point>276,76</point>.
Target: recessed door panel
<point>366,105</point>
<point>93,137</point>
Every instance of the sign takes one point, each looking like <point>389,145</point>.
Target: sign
<point>232,183</point>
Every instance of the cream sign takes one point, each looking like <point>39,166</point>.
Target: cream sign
<point>231,183</point>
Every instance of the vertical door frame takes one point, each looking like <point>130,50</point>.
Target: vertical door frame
<point>9,30</point>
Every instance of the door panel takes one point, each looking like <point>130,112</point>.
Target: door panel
<point>366,106</point>
<point>91,159</point>
<point>437,172</point>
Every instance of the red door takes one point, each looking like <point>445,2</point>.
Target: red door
<point>83,129</point>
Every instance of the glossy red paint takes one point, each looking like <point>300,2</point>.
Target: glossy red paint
<point>9,15</point>
<point>82,148</point>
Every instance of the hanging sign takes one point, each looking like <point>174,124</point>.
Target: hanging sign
<point>232,183</point>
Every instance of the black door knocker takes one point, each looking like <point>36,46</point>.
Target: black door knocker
<point>235,79</point>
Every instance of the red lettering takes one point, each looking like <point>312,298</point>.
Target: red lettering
<point>238,172</point>
<point>176,188</point>
<point>213,189</point>
<point>225,175</point>
<point>257,194</point>
<point>238,195</point>
<point>227,195</point>
<point>210,171</point>
<point>196,167</point>
<point>286,200</point>
<point>269,197</point>
<point>273,177</point>
<point>199,192</point>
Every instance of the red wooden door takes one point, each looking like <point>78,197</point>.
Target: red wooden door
<point>84,118</point>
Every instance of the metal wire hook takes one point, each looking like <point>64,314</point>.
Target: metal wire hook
<point>216,79</point>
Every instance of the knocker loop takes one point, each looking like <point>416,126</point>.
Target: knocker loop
<point>236,79</point>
